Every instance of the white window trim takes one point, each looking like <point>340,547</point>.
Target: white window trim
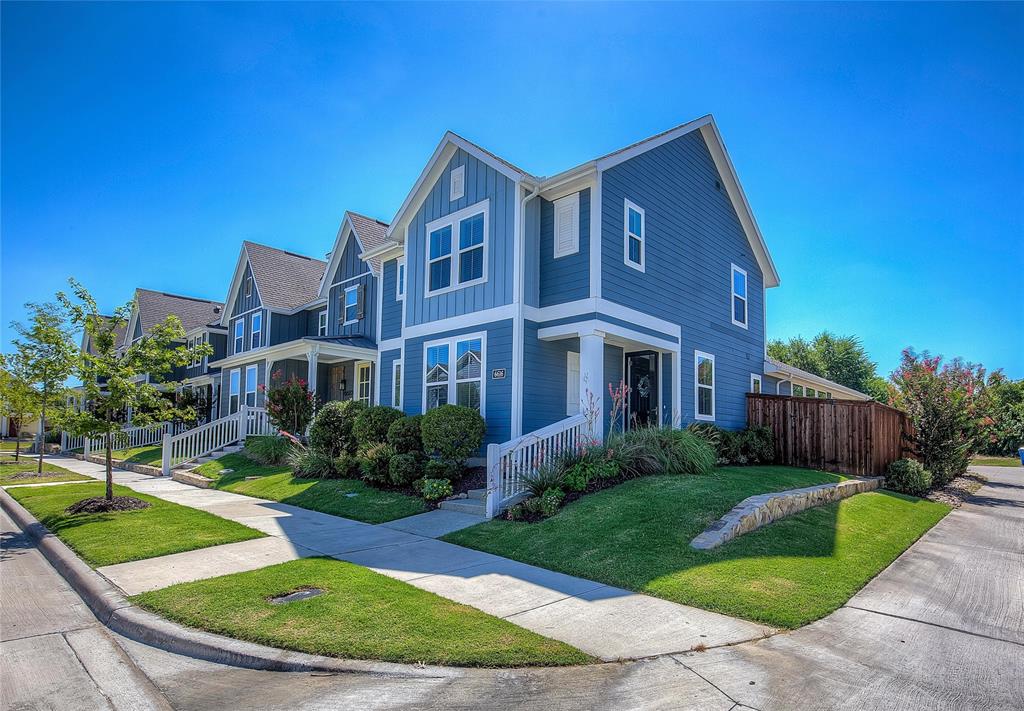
<point>697,355</point>
<point>322,323</point>
<point>396,366</point>
<point>452,343</point>
<point>732,299</point>
<point>238,340</point>
<point>255,332</point>
<point>344,306</point>
<point>247,292</point>
<point>810,390</point>
<point>256,385</point>
<point>642,266</point>
<point>755,378</point>
<point>400,277</point>
<point>572,408</point>
<point>453,221</point>
<point>572,201</point>
<point>233,376</point>
<point>360,367</point>
<point>460,173</point>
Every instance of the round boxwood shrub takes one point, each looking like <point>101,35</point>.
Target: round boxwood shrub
<point>908,476</point>
<point>440,469</point>
<point>404,469</point>
<point>371,425</point>
<point>331,430</point>
<point>404,435</point>
<point>452,432</point>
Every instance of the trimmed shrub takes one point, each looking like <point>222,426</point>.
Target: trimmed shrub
<point>434,489</point>
<point>908,476</point>
<point>375,462</point>
<point>439,469</point>
<point>404,435</point>
<point>547,476</point>
<point>730,448</point>
<point>759,445</point>
<point>346,466</point>
<point>311,463</point>
<point>331,430</point>
<point>404,469</point>
<point>452,433</point>
<point>371,425</point>
<point>267,449</point>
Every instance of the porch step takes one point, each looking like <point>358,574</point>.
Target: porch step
<point>477,494</point>
<point>467,506</point>
<point>230,449</point>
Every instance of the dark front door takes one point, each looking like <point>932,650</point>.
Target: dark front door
<point>642,374</point>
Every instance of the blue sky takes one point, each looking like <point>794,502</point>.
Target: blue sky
<point>881,146</point>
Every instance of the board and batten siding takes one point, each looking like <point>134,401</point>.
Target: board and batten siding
<point>692,236</point>
<point>387,362</point>
<point>565,278</point>
<point>352,271</point>
<point>243,303</point>
<point>481,183</point>
<point>285,328</point>
<point>498,393</point>
<point>391,307</point>
<point>225,384</point>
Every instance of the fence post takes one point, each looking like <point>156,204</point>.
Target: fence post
<point>63,441</point>
<point>243,422</point>
<point>493,480</point>
<point>86,449</point>
<point>165,455</point>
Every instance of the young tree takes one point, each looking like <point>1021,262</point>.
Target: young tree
<point>114,378</point>
<point>17,402</point>
<point>44,359</point>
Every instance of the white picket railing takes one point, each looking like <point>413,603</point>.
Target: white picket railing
<point>192,444</point>
<point>508,463</point>
<point>128,438</point>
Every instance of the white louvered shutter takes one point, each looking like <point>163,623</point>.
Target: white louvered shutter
<point>567,225</point>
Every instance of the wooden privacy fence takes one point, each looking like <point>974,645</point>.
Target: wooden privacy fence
<point>845,436</point>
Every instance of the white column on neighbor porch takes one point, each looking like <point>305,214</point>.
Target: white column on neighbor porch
<point>592,381</point>
<point>312,356</point>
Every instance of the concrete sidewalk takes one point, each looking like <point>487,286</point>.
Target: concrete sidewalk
<point>607,622</point>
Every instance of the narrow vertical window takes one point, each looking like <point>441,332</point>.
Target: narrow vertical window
<point>567,225</point>
<point>471,249</point>
<point>234,384</point>
<point>248,287</point>
<point>436,379</point>
<point>755,383</point>
<point>704,385</point>
<point>439,265</point>
<point>256,337</point>
<point>396,385</point>
<point>321,323</point>
<point>400,280</point>
<point>634,248</point>
<point>572,383</point>
<point>239,335</point>
<point>363,383</point>
<point>468,373</point>
<point>251,372</point>
<point>739,296</point>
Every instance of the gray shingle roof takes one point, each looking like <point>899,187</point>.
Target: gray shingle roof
<point>285,280</point>
<point>372,233</point>
<point>155,306</point>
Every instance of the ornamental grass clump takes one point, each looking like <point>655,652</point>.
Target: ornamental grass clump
<point>267,449</point>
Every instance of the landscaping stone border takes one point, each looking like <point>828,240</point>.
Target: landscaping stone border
<point>756,511</point>
<point>187,477</point>
<point>121,464</point>
<point>118,613</point>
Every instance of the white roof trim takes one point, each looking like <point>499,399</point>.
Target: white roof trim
<point>774,367</point>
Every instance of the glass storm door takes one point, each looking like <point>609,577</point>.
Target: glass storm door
<point>642,374</point>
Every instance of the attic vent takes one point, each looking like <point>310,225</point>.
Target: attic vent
<point>458,186</point>
<point>567,225</point>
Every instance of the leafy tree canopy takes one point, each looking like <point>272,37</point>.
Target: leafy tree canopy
<point>841,359</point>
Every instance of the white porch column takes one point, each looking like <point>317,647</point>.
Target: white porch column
<point>312,357</point>
<point>592,382</point>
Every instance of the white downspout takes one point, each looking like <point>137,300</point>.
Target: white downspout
<point>518,327</point>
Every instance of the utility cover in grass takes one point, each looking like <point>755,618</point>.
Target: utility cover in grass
<point>359,615</point>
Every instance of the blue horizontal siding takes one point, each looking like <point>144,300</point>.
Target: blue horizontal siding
<point>566,278</point>
<point>545,378</point>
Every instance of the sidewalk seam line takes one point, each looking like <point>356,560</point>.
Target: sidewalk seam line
<point>935,624</point>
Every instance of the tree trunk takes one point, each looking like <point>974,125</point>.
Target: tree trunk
<point>17,442</point>
<point>110,466</point>
<point>42,435</point>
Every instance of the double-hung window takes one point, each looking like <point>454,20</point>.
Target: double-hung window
<point>321,323</point>
<point>351,305</point>
<point>396,385</point>
<point>457,249</point>
<point>234,385</point>
<point>251,373</point>
<point>239,335</point>
<point>739,296</point>
<point>255,338</point>
<point>464,386</point>
<point>634,236</point>
<point>703,385</point>
<point>400,280</point>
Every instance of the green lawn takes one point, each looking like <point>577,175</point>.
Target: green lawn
<point>9,445</point>
<point>787,574</point>
<point>150,455</point>
<point>331,496</point>
<point>361,615</point>
<point>105,539</point>
<point>9,470</point>
<point>996,461</point>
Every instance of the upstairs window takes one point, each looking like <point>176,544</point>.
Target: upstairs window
<point>457,249</point>
<point>704,385</point>
<point>256,337</point>
<point>567,225</point>
<point>239,335</point>
<point>457,189</point>
<point>739,296</point>
<point>634,247</point>
<point>400,280</point>
<point>351,305</point>
<point>321,323</point>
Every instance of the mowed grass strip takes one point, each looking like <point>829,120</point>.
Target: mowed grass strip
<point>150,455</point>
<point>349,498</point>
<point>10,471</point>
<point>997,462</point>
<point>118,537</point>
<point>360,615</point>
<point>794,571</point>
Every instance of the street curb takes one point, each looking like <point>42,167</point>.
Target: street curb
<point>119,614</point>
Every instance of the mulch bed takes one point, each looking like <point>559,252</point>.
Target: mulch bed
<point>959,490</point>
<point>29,475</point>
<point>98,504</point>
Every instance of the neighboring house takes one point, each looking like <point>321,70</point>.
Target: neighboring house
<point>784,379</point>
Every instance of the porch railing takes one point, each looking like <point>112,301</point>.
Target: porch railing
<point>127,438</point>
<point>509,463</point>
<point>192,444</point>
